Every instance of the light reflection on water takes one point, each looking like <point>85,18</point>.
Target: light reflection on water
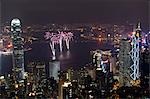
<point>68,54</point>
<point>64,56</point>
<point>77,56</point>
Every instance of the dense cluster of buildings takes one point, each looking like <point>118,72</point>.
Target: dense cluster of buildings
<point>110,74</point>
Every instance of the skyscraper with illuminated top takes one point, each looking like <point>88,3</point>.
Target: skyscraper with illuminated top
<point>129,59</point>
<point>135,55</point>
<point>18,52</point>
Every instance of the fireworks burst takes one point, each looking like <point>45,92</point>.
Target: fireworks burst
<point>58,38</point>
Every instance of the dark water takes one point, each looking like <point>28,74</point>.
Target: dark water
<point>5,64</point>
<point>77,56</point>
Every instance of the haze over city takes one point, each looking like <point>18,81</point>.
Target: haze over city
<point>76,11</point>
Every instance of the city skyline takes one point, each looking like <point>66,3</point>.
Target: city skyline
<point>74,49</point>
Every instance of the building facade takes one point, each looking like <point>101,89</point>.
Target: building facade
<point>124,62</point>
<point>54,67</point>
<point>18,51</point>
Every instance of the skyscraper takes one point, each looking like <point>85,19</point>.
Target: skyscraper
<point>124,62</point>
<point>129,59</point>
<point>54,67</point>
<point>18,52</point>
<point>135,55</point>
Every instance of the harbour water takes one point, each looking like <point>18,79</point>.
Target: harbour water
<point>77,56</point>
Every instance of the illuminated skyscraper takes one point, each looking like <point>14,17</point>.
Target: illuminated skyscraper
<point>129,59</point>
<point>97,58</point>
<point>18,52</point>
<point>135,53</point>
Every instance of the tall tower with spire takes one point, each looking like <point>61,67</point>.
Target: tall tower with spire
<point>139,34</point>
<point>135,54</point>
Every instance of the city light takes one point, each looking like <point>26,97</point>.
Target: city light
<point>66,84</point>
<point>66,50</point>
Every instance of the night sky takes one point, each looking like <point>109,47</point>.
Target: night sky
<point>75,11</point>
